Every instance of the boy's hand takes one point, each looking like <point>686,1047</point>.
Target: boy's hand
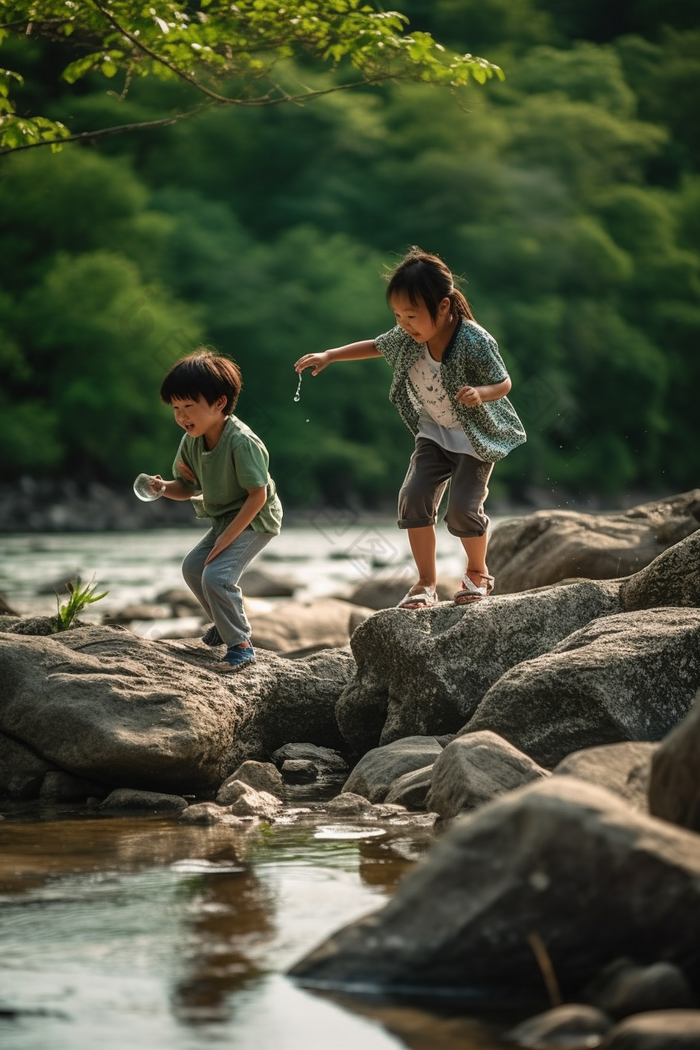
<point>469,396</point>
<point>316,362</point>
<point>186,473</point>
<point>220,545</point>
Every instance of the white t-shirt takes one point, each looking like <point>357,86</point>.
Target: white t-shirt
<point>437,420</point>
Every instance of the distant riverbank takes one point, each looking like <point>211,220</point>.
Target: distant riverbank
<point>64,506</point>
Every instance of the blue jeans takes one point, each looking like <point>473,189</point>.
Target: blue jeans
<point>216,585</point>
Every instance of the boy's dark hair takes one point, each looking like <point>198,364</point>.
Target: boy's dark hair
<point>424,277</point>
<point>206,374</point>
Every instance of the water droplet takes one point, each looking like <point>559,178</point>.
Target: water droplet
<point>307,421</point>
<point>297,396</point>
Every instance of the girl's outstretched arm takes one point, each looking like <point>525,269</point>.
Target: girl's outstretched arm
<point>351,352</point>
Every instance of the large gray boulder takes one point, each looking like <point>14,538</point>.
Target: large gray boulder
<point>560,859</point>
<point>622,768</point>
<point>103,704</point>
<point>475,769</point>
<point>424,672</point>
<point>553,545</point>
<point>627,677</point>
<point>674,783</point>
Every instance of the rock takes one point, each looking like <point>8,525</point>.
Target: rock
<point>553,545</point>
<point>425,673</point>
<point>24,787</point>
<point>299,771</point>
<point>230,791</point>
<point>176,597</point>
<point>627,677</point>
<point>476,768</point>
<point>290,626</point>
<point>671,579</point>
<point>358,615</point>
<point>349,804</point>
<point>252,803</point>
<point>384,590</point>
<point>621,768</point>
<point>674,785</point>
<point>263,776</point>
<point>34,625</point>
<point>410,789</point>
<point>5,608</point>
<point>62,787</point>
<point>572,1025</point>
<point>560,857</point>
<point>625,988</point>
<point>657,1030</point>
<point>138,611</point>
<point>58,585</point>
<point>100,703</point>
<point>378,769</point>
<point>22,771</point>
<point>258,584</point>
<point>207,813</point>
<point>326,760</point>
<point>153,801</point>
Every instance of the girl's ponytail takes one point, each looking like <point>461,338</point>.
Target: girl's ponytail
<point>424,277</point>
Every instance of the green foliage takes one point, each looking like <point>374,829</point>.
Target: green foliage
<point>568,198</point>
<point>206,44</point>
<point>80,596</point>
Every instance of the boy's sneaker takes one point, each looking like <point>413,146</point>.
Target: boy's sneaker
<point>238,656</point>
<point>212,637</point>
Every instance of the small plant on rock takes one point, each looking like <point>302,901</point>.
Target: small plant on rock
<point>80,596</point>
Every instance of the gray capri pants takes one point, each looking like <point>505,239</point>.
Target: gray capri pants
<point>429,471</point>
<point>216,584</point>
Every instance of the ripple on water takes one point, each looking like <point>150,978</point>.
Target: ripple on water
<point>340,832</point>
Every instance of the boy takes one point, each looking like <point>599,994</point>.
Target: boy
<point>223,460</point>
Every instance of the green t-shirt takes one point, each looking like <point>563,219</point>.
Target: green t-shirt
<point>237,463</point>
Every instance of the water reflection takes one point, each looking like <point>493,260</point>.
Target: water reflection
<point>229,923</point>
<point>144,933</point>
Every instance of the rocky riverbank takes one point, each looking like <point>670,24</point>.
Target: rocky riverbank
<point>552,733</point>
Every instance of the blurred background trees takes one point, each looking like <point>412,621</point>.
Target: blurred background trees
<point>568,198</point>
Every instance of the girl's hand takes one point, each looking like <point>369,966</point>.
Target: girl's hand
<point>186,473</point>
<point>316,362</point>
<point>469,396</point>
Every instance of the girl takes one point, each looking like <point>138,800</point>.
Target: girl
<point>449,386</point>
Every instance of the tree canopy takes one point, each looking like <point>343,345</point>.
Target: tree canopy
<point>567,198</point>
<point>226,54</point>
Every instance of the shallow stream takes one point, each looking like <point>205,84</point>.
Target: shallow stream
<point>124,933</point>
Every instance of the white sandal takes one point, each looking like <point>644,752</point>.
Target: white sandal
<point>423,599</point>
<point>470,592</point>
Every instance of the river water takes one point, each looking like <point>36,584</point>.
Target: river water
<point>129,933</point>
